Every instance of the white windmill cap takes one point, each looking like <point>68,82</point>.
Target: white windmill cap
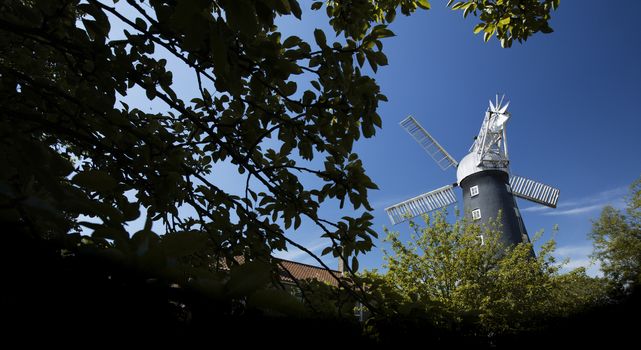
<point>469,165</point>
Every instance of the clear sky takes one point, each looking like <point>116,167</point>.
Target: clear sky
<point>575,103</point>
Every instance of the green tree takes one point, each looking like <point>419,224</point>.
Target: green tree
<point>617,242</point>
<point>75,155</point>
<point>575,292</point>
<point>509,20</point>
<point>475,279</point>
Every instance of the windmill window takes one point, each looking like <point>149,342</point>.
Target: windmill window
<point>509,189</point>
<point>476,214</point>
<point>474,191</point>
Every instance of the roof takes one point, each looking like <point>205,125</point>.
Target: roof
<point>299,271</point>
<point>302,271</point>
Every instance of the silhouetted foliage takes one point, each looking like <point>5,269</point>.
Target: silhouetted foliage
<point>80,165</point>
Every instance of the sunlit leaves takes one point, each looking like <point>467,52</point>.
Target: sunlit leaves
<point>617,242</point>
<point>508,20</point>
<point>495,288</point>
<point>424,4</point>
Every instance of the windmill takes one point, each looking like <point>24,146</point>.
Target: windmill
<point>483,175</point>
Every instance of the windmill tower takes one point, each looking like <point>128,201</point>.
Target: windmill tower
<point>483,175</point>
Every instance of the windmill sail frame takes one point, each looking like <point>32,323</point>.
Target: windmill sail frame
<point>534,191</point>
<point>424,203</point>
<point>428,143</point>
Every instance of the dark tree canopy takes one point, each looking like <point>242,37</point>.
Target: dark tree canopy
<point>76,157</point>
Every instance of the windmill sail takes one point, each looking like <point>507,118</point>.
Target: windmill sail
<point>429,144</point>
<point>424,203</point>
<point>534,191</point>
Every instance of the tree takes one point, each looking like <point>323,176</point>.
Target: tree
<point>617,242</point>
<point>75,155</point>
<point>471,276</point>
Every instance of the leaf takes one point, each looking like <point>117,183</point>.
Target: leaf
<point>95,180</point>
<point>295,8</point>
<point>101,25</point>
<point>371,59</point>
<point>354,264</point>
<point>285,6</point>
<point>458,5</point>
<point>424,4</point>
<point>320,38</point>
<point>317,5</point>
<point>291,41</point>
<point>381,59</point>
<point>141,23</point>
<point>297,222</point>
<point>93,29</point>
<point>381,31</point>
<point>289,88</point>
<point>487,36</point>
<point>151,93</point>
<point>360,57</point>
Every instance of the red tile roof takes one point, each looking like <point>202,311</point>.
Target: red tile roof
<point>302,271</point>
<point>299,271</point>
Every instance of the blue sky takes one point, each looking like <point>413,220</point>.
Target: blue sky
<point>575,103</point>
